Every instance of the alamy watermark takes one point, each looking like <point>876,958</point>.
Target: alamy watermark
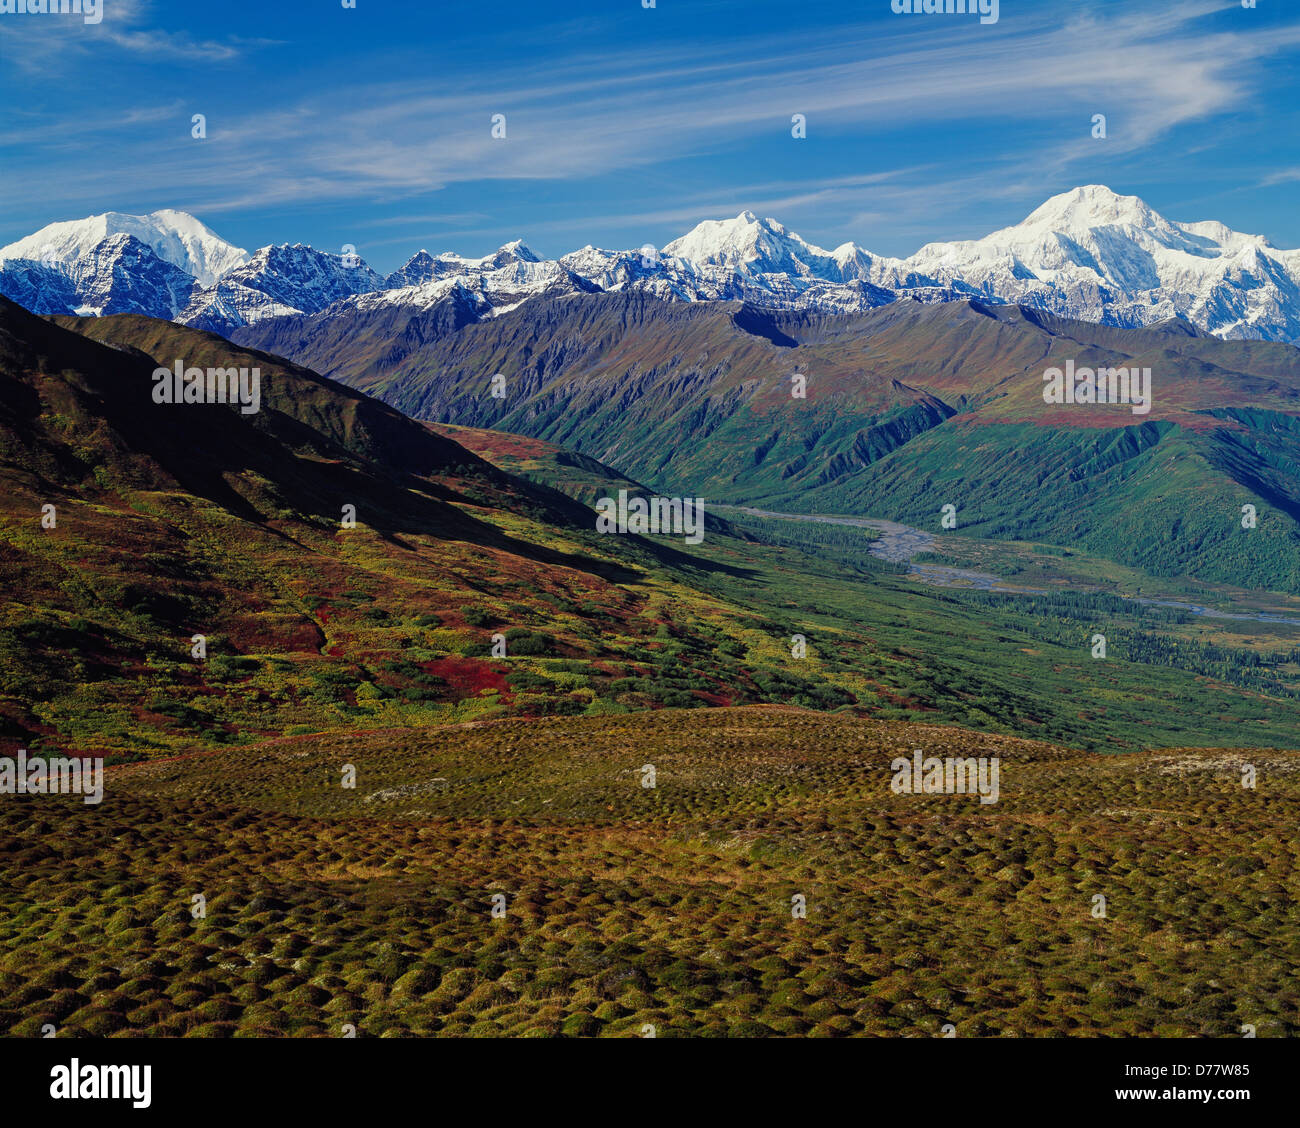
<point>213,385</point>
<point>987,10</point>
<point>1102,385</point>
<point>91,11</point>
<point>75,1081</point>
<point>57,775</point>
<point>929,775</point>
<point>643,515</point>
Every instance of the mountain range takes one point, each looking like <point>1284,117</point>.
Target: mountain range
<point>1088,254</point>
<point>923,378</point>
<point>904,408</point>
<point>167,522</point>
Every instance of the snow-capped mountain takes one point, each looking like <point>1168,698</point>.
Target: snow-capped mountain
<point>1099,256</point>
<point>37,287</point>
<point>120,274</point>
<point>1088,253</point>
<point>423,267</point>
<point>743,259</point>
<point>752,245</point>
<point>174,236</point>
<point>756,246</point>
<point>276,282</point>
<point>488,286</point>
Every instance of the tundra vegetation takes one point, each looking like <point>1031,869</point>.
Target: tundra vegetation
<point>769,675</point>
<point>671,905</point>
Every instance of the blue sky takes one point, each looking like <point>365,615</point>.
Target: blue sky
<point>372,125</point>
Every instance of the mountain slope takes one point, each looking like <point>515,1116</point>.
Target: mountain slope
<point>172,520</point>
<point>176,520</point>
<point>667,906</point>
<point>122,275</point>
<point>697,399</point>
<point>277,281</point>
<point>37,286</point>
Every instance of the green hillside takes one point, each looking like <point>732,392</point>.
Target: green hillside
<point>907,407</point>
<point>175,522</point>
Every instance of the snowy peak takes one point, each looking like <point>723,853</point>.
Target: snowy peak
<point>730,243</point>
<point>279,280</point>
<point>302,277</point>
<point>1094,205</point>
<point>506,255</point>
<point>1088,253</point>
<point>1093,254</point>
<point>120,274</point>
<point>514,251</point>
<point>759,246</point>
<point>852,261</point>
<point>173,236</point>
<point>422,267</point>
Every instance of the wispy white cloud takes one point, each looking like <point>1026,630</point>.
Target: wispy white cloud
<point>1282,176</point>
<point>580,120</point>
<point>1152,68</point>
<point>50,45</point>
